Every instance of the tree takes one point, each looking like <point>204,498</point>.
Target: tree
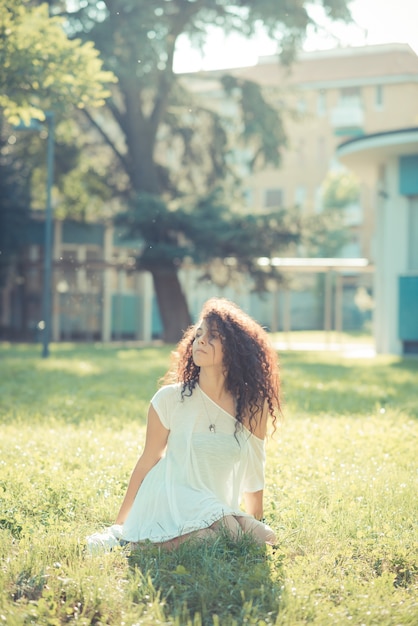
<point>327,232</point>
<point>340,189</point>
<point>14,203</point>
<point>41,68</point>
<point>175,147</point>
<point>84,187</point>
<point>223,243</point>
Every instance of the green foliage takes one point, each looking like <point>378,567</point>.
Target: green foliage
<point>167,137</point>
<point>174,140</point>
<point>150,219</point>
<point>223,242</point>
<point>40,68</point>
<point>262,126</point>
<point>81,191</point>
<point>340,493</point>
<point>137,42</point>
<point>228,243</point>
<point>14,204</point>
<point>326,233</point>
<point>339,190</point>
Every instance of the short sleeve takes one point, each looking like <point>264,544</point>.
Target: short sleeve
<point>164,401</point>
<point>253,470</point>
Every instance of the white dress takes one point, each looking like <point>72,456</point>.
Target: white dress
<point>203,474</point>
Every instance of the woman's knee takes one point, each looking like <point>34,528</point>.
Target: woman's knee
<point>228,523</point>
<point>261,532</point>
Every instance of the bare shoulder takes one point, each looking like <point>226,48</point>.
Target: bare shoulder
<point>259,429</point>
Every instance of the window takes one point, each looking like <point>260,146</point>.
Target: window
<point>273,199</point>
<point>34,254</point>
<point>378,97</point>
<point>70,267</point>
<point>318,203</point>
<point>321,103</point>
<point>300,196</point>
<point>248,197</point>
<point>350,96</point>
<point>301,106</point>
<point>229,108</point>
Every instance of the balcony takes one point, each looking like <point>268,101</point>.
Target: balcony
<point>348,118</point>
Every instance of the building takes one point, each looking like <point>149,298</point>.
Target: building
<point>327,98</point>
<point>97,295</point>
<point>95,292</point>
<point>331,96</point>
<point>389,162</point>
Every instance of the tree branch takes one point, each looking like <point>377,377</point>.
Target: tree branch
<point>186,11</point>
<point>107,140</point>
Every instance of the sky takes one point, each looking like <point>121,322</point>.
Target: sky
<point>375,22</point>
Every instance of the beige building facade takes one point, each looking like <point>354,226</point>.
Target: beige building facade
<point>328,97</point>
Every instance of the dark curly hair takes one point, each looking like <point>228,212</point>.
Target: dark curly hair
<point>250,362</point>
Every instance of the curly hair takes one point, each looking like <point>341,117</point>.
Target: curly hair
<point>249,360</point>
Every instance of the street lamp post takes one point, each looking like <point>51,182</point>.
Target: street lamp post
<point>46,293</point>
<point>46,298</point>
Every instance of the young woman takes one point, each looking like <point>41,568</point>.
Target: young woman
<point>204,449</point>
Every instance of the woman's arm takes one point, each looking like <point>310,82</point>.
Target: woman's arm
<point>155,445</point>
<point>254,500</point>
<point>254,503</point>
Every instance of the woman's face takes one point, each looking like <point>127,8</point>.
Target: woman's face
<point>207,346</point>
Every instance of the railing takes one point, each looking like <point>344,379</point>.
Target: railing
<point>349,115</point>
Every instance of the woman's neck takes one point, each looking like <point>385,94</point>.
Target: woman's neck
<point>213,384</point>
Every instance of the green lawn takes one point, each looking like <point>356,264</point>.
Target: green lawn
<point>341,494</point>
<point>296,337</point>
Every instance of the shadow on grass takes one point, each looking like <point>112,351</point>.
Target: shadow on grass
<point>224,581</point>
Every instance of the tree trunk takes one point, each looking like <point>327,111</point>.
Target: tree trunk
<point>171,302</point>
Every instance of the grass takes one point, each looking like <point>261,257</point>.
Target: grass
<point>341,495</point>
<point>295,337</point>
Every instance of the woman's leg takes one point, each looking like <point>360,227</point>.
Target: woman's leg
<point>228,523</point>
<point>203,533</point>
<point>235,525</point>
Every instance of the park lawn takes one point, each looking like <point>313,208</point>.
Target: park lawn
<point>295,337</point>
<point>341,494</point>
